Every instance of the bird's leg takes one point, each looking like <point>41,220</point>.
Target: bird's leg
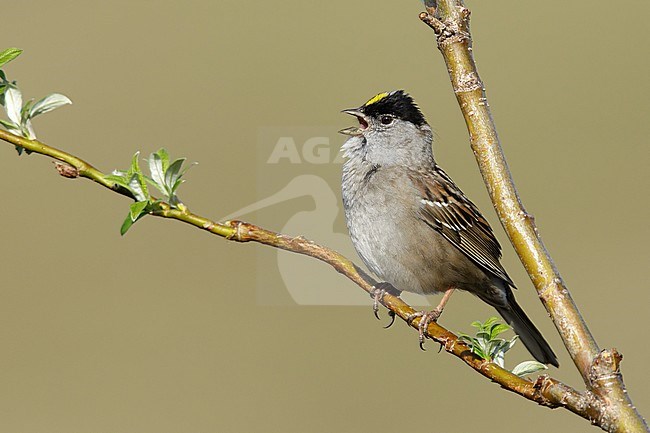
<point>443,302</point>
<point>431,316</point>
<point>377,294</point>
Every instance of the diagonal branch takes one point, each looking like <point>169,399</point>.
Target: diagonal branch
<point>545,391</point>
<point>600,370</point>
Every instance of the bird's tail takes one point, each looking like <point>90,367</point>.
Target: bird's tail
<point>528,333</point>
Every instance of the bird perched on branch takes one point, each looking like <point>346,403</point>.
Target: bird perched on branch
<point>412,226</point>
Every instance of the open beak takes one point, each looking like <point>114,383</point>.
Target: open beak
<point>355,130</point>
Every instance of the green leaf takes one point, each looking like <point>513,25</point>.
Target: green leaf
<point>512,342</point>
<point>175,186</point>
<point>498,328</point>
<point>180,181</point>
<point>137,209</point>
<point>137,183</point>
<point>466,338</point>
<point>133,180</point>
<point>157,168</point>
<point>126,225</point>
<point>9,125</point>
<point>135,186</point>
<point>499,359</point>
<point>9,54</point>
<point>164,158</point>
<point>25,109</point>
<point>489,322</point>
<point>498,348</point>
<point>135,164</point>
<point>173,172</point>
<point>13,104</point>
<point>27,129</point>
<point>486,344</point>
<point>528,367</point>
<point>119,177</point>
<point>479,351</point>
<point>166,176</point>
<point>48,103</point>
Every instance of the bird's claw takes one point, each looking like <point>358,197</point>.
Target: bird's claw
<point>377,293</point>
<point>391,314</point>
<point>426,318</point>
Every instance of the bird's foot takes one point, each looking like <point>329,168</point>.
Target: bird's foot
<point>426,318</point>
<point>377,294</point>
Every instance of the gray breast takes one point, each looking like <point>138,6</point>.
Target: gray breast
<point>381,213</point>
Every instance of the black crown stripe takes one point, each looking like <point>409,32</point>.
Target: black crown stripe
<point>397,103</point>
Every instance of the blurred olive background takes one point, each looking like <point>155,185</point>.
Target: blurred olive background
<point>163,330</point>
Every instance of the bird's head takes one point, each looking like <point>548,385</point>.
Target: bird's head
<point>391,128</point>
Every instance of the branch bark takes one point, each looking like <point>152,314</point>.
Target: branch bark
<point>545,390</point>
<point>599,369</point>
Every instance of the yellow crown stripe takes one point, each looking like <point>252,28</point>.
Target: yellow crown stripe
<point>376,99</point>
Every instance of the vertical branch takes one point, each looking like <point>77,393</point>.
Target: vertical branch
<point>454,41</point>
<point>450,21</point>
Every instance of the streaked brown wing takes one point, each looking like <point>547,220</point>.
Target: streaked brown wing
<point>445,208</point>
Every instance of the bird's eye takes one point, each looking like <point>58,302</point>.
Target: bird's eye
<point>386,119</point>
